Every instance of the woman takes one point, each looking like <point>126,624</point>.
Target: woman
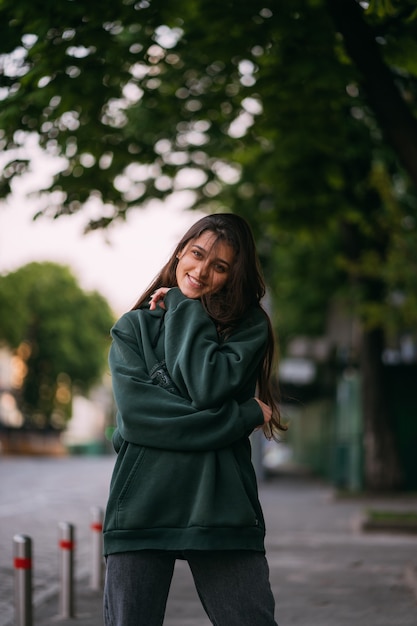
<point>185,363</point>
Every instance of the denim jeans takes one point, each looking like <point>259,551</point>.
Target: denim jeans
<point>233,587</point>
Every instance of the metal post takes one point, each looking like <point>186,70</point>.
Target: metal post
<point>22,553</point>
<point>67,547</point>
<point>97,548</point>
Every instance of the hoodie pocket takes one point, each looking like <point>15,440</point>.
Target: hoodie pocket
<point>165,489</point>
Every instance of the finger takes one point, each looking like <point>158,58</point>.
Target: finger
<point>153,300</point>
<point>157,299</point>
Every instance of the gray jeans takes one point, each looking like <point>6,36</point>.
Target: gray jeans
<point>233,587</point>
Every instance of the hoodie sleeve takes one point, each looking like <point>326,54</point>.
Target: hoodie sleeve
<point>202,367</point>
<point>152,416</point>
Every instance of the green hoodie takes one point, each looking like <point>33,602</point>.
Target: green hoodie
<point>183,478</point>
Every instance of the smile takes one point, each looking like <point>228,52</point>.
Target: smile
<point>194,282</point>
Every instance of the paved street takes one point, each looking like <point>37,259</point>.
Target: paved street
<point>324,570</point>
<point>35,495</point>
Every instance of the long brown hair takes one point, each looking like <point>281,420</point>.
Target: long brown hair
<point>244,289</point>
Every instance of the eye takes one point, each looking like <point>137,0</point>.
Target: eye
<point>196,253</point>
<point>220,268</point>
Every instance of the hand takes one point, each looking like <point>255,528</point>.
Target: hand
<point>157,298</point>
<point>266,410</point>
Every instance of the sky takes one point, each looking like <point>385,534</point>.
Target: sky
<point>119,262</point>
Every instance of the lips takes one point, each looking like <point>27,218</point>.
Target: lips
<point>197,284</point>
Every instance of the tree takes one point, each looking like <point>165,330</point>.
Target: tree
<point>60,335</point>
<point>273,115</point>
<point>382,85</point>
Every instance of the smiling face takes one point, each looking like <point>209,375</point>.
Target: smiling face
<point>204,265</point>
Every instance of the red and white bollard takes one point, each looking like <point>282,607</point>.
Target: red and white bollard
<point>66,566</point>
<point>22,552</point>
<point>97,548</point>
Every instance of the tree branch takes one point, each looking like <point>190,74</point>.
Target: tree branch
<point>391,111</point>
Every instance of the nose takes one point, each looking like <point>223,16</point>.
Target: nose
<point>203,268</point>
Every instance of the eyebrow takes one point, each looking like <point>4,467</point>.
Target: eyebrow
<point>205,251</point>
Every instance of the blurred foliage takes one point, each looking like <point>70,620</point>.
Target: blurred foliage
<point>386,8</point>
<point>59,334</point>
<point>258,108</point>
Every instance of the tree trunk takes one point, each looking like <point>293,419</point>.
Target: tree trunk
<point>390,108</point>
<point>381,460</point>
<point>382,464</point>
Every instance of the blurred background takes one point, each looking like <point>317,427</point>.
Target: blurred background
<point>122,123</point>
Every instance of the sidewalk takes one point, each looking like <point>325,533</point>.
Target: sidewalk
<point>325,571</point>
